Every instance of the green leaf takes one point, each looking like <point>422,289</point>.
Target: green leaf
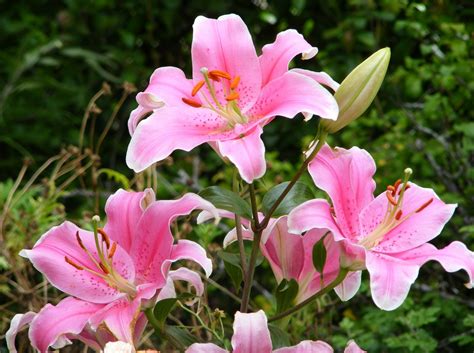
<point>286,293</point>
<point>297,195</point>
<point>179,336</point>
<point>163,308</point>
<point>280,338</point>
<point>319,255</point>
<point>233,267</point>
<point>227,200</point>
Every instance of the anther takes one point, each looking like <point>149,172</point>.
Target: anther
<point>105,237</point>
<point>220,73</point>
<point>422,207</point>
<point>191,102</point>
<point>112,250</point>
<point>232,96</point>
<point>197,87</point>
<point>103,268</point>
<point>72,263</point>
<point>398,215</point>
<point>79,241</point>
<point>235,82</point>
<point>397,184</point>
<point>391,198</point>
<point>214,77</point>
<point>406,188</point>
<point>391,188</point>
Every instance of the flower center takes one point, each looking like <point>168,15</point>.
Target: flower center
<point>103,266</point>
<point>229,110</point>
<point>394,214</point>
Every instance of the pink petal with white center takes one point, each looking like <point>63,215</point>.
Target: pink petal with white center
<point>48,257</point>
<point>307,347</point>
<point>251,334</point>
<point>153,243</point>
<point>225,44</point>
<point>352,347</point>
<point>346,176</point>
<point>167,291</point>
<point>136,116</point>
<point>168,85</point>
<point>284,251</point>
<point>18,323</point>
<point>206,216</point>
<point>120,317</point>
<point>169,129</point>
<point>350,286</point>
<point>205,348</point>
<point>277,55</point>
<point>417,229</point>
<point>390,279</point>
<point>320,77</point>
<point>247,153</point>
<point>190,250</point>
<point>124,210</point>
<point>454,257</point>
<point>53,324</point>
<point>192,277</point>
<point>232,236</point>
<point>313,214</point>
<point>291,94</point>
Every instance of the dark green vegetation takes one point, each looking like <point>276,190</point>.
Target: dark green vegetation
<point>55,57</point>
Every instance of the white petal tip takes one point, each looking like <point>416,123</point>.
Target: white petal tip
<point>309,54</point>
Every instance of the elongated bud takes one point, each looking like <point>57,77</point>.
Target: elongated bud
<point>358,90</point>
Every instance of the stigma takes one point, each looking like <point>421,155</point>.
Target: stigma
<point>207,98</point>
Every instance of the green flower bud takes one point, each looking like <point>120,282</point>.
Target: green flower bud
<point>359,89</point>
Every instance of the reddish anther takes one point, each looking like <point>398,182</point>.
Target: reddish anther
<point>422,207</point>
<point>112,250</point>
<point>79,241</point>
<point>72,263</point>
<point>397,184</point>
<point>197,87</point>
<point>398,215</point>
<point>390,198</point>
<point>105,237</point>
<point>391,188</point>
<point>232,96</point>
<point>406,188</point>
<point>220,73</point>
<point>235,82</point>
<point>191,102</point>
<point>103,268</point>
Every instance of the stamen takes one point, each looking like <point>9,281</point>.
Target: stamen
<point>390,198</point>
<point>73,264</point>
<point>232,96</point>
<point>112,250</point>
<point>103,268</point>
<point>235,82</point>
<point>391,189</point>
<point>397,184</point>
<point>398,215</point>
<point>79,241</point>
<point>220,73</point>
<point>105,237</point>
<point>422,207</point>
<point>214,78</point>
<point>197,87</point>
<point>406,188</point>
<point>191,102</point>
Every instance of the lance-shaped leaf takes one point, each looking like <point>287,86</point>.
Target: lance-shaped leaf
<point>227,200</point>
<point>298,194</point>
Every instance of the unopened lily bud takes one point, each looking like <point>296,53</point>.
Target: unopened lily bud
<point>359,89</point>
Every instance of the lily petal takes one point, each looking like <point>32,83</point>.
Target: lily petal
<point>307,347</point>
<point>190,250</point>
<point>19,322</point>
<point>350,286</point>
<point>352,347</point>
<point>226,44</point>
<point>124,209</point>
<point>169,129</point>
<point>53,323</point>
<point>276,56</point>
<point>292,93</point>
<point>346,176</point>
<point>320,77</point>
<point>48,257</point>
<point>205,348</point>
<point>251,334</point>
<point>247,153</point>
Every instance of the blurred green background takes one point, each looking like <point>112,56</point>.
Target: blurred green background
<point>55,55</point>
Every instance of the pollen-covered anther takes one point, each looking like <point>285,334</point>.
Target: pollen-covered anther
<point>197,87</point>
<point>422,207</point>
<point>105,237</point>
<point>398,215</point>
<point>406,188</point>
<point>391,188</point>
<point>220,73</point>
<point>79,241</point>
<point>112,250</point>
<point>390,198</point>
<point>73,264</point>
<point>232,96</point>
<point>191,102</point>
<point>235,82</point>
<point>104,268</point>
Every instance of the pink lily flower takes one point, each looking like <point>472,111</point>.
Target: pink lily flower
<point>387,235</point>
<point>251,335</point>
<point>112,274</point>
<point>232,95</point>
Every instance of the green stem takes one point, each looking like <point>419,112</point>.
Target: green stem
<point>238,228</point>
<point>340,277</point>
